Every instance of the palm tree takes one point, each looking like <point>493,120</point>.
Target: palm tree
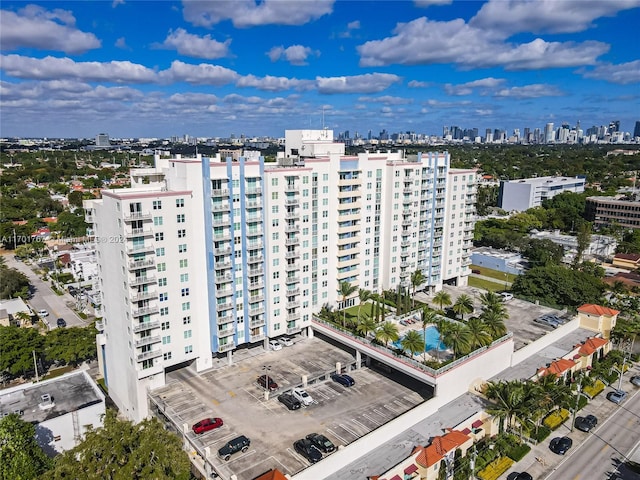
<point>413,342</point>
<point>458,338</point>
<point>417,278</point>
<point>464,304</point>
<point>345,290</point>
<point>480,335</point>
<point>428,317</point>
<point>387,332</point>
<point>367,324</point>
<point>363,296</point>
<point>509,401</point>
<point>494,322</point>
<point>489,299</point>
<point>22,317</point>
<point>442,298</point>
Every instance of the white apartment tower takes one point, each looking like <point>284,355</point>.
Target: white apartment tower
<point>204,255</point>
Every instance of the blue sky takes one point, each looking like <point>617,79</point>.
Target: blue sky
<point>135,68</point>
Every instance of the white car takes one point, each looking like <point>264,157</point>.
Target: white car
<point>506,296</point>
<point>43,313</point>
<point>286,341</point>
<point>275,345</point>
<point>302,395</point>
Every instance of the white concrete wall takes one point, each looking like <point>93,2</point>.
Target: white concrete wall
<point>543,342</point>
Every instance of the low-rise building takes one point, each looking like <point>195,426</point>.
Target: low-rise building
<point>628,261</point>
<point>501,260</point>
<point>526,193</point>
<point>598,318</point>
<point>14,312</point>
<point>620,211</point>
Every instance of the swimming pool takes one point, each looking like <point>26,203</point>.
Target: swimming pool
<point>433,340</point>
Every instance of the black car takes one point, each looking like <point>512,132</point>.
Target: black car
<point>343,379</point>
<point>240,443</point>
<point>519,476</point>
<point>61,323</point>
<point>321,442</point>
<point>560,445</point>
<point>291,402</point>
<point>585,424</point>
<point>308,450</point>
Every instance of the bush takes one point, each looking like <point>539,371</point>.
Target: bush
<point>592,390</point>
<point>518,452</point>
<point>556,418</point>
<point>582,402</point>
<point>495,468</point>
<point>542,433</point>
<point>609,377</point>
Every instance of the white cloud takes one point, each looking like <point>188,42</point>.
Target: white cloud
<point>545,16</point>
<point>423,41</point>
<point>115,3</point>
<point>367,83</point>
<point>121,43</point>
<point>428,3</point>
<point>355,25</point>
<point>387,100</point>
<point>419,84</point>
<point>251,13</point>
<point>192,99</point>
<point>51,68</point>
<point>623,73</point>
<point>530,91</point>
<point>274,84</point>
<point>35,27</point>
<point>195,46</point>
<point>295,54</point>
<point>440,104</point>
<point>202,74</point>
<point>468,87</point>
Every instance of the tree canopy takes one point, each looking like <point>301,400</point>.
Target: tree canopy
<point>21,458</point>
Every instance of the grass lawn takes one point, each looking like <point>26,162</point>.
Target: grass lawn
<point>488,272</point>
<point>485,284</point>
<point>56,372</point>
<point>352,312</point>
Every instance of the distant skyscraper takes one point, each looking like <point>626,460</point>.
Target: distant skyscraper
<point>636,131</point>
<point>549,133</point>
<point>102,140</point>
<point>614,126</point>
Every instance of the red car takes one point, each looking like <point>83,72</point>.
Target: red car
<point>206,425</point>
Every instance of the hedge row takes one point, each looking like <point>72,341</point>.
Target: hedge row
<point>556,418</point>
<point>542,433</point>
<point>518,452</point>
<point>592,390</point>
<point>496,468</point>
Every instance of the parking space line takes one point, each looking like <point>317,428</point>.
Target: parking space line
<point>348,430</point>
<point>226,437</point>
<point>297,456</point>
<point>392,408</point>
<point>361,425</point>
<point>239,457</point>
<point>379,413</point>
<point>337,436</point>
<point>368,417</point>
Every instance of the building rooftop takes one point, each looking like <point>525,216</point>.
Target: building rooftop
<point>592,309</point>
<point>68,393</point>
<point>542,181</point>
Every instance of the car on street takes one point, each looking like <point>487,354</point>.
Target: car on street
<point>585,424</point>
<point>286,341</point>
<point>43,313</point>
<point>267,382</point>
<point>519,476</point>
<point>506,296</point>
<point>617,396</point>
<point>289,401</point>
<point>635,380</point>
<point>308,450</point>
<point>560,445</point>
<point>238,444</point>
<point>548,321</point>
<point>343,379</point>
<point>302,396</point>
<point>206,425</point>
<point>275,345</point>
<point>61,323</point>
<point>321,442</point>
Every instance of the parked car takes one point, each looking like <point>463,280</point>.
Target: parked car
<point>321,442</point>
<point>560,445</point>
<point>519,476</point>
<point>275,345</point>
<point>302,396</point>
<point>308,450</point>
<point>207,425</point>
<point>476,271</point>
<point>238,444</point>
<point>617,396</point>
<point>506,296</point>
<point>635,380</point>
<point>286,341</point>
<point>289,401</point>
<point>343,379</point>
<point>61,323</point>
<point>547,320</point>
<point>585,424</point>
<point>267,382</point>
<point>43,313</point>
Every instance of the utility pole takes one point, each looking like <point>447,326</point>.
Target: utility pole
<point>472,462</point>
<point>573,419</point>
<point>35,364</point>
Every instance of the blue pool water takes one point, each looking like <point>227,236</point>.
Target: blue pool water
<point>433,340</point>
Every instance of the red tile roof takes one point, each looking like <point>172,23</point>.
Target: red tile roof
<point>591,345</point>
<point>440,446</point>
<point>466,431</point>
<point>634,257</point>
<point>558,367</point>
<point>478,423</point>
<point>598,310</point>
<point>410,469</point>
<point>274,474</point>
<point>396,477</point>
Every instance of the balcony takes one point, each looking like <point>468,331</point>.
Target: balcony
<point>292,228</point>
<point>223,251</point>
<point>466,262</point>
<point>147,341</point>
<point>223,237</point>
<point>440,196</point>
<point>253,191</point>
<point>140,312</point>
<point>145,326</point>
<point>292,291</point>
<point>138,264</point>
<point>407,223</point>
<point>292,254</point>
<point>292,317</point>
<point>407,200</point>
<point>470,209</point>
<point>224,278</point>
<point>224,292</point>
<point>291,215</point>
<point>256,311</point>
<point>253,272</point>
<point>226,347</point>
<point>221,307</point>
<point>254,219</point>
<point>256,298</point>
<point>221,222</point>
<point>147,248</point>
<point>405,274</point>
<point>255,259</point>
<point>468,236</point>
<point>405,243</point>
<point>292,241</point>
<point>138,232</point>
<point>225,332</point>
<point>220,207</point>
<point>222,320</point>
<point>407,190</point>
<point>133,216</point>
<point>257,323</point>
<point>350,239</point>
<point>404,264</point>
<point>256,338</point>
<point>148,295</point>
<point>253,204</point>
<point>220,192</point>
<point>292,280</point>
<point>145,279</point>
<point>149,355</point>
<point>292,202</point>
<point>292,267</point>
<point>349,181</point>
<point>292,330</point>
<point>222,265</point>
<point>257,284</point>
<point>291,188</point>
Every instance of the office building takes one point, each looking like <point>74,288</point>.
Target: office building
<point>549,133</point>
<point>204,255</point>
<point>102,140</point>
<point>623,212</point>
<point>520,195</point>
<point>636,130</point>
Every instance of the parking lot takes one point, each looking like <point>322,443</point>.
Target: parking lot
<point>343,414</point>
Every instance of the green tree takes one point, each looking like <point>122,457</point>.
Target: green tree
<point>123,451</point>
<point>442,298</point>
<point>365,325</point>
<point>458,338</point>
<point>412,342</point>
<point>584,240</point>
<point>494,322</point>
<point>75,198</point>
<point>417,279</point>
<point>18,345</point>
<point>463,305</point>
<point>13,283</point>
<point>478,333</point>
<point>387,332</point>
<point>543,252</point>
<point>71,345</point>
<point>72,224</point>
<point>345,290</point>
<point>21,458</point>
<point>364,296</point>
<point>490,300</point>
<point>509,401</point>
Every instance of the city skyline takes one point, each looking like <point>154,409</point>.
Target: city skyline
<point>216,69</point>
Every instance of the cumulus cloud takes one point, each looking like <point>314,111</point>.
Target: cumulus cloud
<point>115,3</point>
<point>530,91</point>
<point>367,83</point>
<point>468,87</point>
<point>195,46</point>
<point>192,99</point>
<point>423,41</point>
<point>419,84</point>
<point>122,43</point>
<point>428,3</point>
<point>545,16</point>
<point>202,74</point>
<point>355,25</point>
<point>387,100</point>
<point>623,73</point>
<point>440,104</point>
<point>36,27</point>
<point>274,84</point>
<point>295,54</point>
<point>251,13</point>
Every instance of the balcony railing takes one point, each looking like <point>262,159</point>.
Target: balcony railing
<point>149,355</point>
<point>292,280</point>
<point>292,291</point>
<point>256,311</point>
<point>256,338</point>
<point>292,330</point>
<point>132,216</point>
<point>148,340</point>
<point>257,323</point>
<point>148,295</point>
<point>226,347</point>
<point>220,192</point>
<point>224,278</point>
<point>145,326</point>
<point>140,312</point>
<point>253,191</point>
<point>255,259</point>
<point>225,332</point>
<point>293,317</point>
<point>137,264</point>
<point>138,232</point>
<point>140,249</point>
<point>142,280</point>
<point>225,319</point>
<point>252,272</point>
<point>224,306</point>
<point>291,201</point>
<point>253,204</point>
<point>293,254</point>
<point>292,228</point>
<point>292,241</point>
<point>256,298</point>
<point>220,207</point>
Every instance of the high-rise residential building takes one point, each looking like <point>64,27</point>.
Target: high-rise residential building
<point>636,130</point>
<point>102,140</point>
<point>549,133</point>
<point>202,255</point>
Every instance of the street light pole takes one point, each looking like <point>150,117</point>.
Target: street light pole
<point>266,369</point>
<point>573,420</point>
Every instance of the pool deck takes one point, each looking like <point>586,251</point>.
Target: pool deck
<point>403,329</point>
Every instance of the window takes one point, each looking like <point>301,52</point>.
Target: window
<point>166,356</point>
<point>179,202</point>
<point>184,277</point>
<point>186,306</point>
<point>159,236</point>
<point>157,221</point>
<point>182,233</point>
<point>182,248</point>
<point>164,325</point>
<point>164,297</point>
<point>166,340</point>
<point>186,320</point>
<point>188,349</point>
<point>180,218</point>
<point>160,252</point>
<point>187,334</point>
<point>162,267</point>
<point>164,311</point>
<point>146,364</point>
<point>184,292</point>
<point>162,282</point>
<point>157,204</point>
<point>184,263</point>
